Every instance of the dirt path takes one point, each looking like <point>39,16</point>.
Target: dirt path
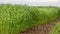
<point>41,29</point>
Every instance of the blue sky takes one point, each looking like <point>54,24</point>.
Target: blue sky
<point>33,2</point>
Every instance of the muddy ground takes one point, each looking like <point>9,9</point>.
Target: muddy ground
<point>42,29</point>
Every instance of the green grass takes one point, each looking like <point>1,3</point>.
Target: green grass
<point>58,11</point>
<point>56,29</point>
<point>47,13</point>
<point>17,18</point>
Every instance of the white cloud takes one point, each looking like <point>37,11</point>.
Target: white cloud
<point>40,0</point>
<point>32,2</point>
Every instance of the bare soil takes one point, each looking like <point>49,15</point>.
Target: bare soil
<point>42,29</point>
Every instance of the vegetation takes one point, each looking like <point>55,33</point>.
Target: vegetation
<point>17,18</point>
<point>56,29</point>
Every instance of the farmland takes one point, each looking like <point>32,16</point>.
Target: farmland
<point>56,29</point>
<point>19,18</point>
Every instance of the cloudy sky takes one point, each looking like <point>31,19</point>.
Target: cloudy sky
<point>33,2</point>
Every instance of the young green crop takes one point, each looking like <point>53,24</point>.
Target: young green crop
<point>58,11</point>
<point>46,14</point>
<point>17,18</point>
<point>56,29</point>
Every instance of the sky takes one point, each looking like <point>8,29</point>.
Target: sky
<point>33,2</point>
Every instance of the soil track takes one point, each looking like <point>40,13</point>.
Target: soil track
<point>42,29</point>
